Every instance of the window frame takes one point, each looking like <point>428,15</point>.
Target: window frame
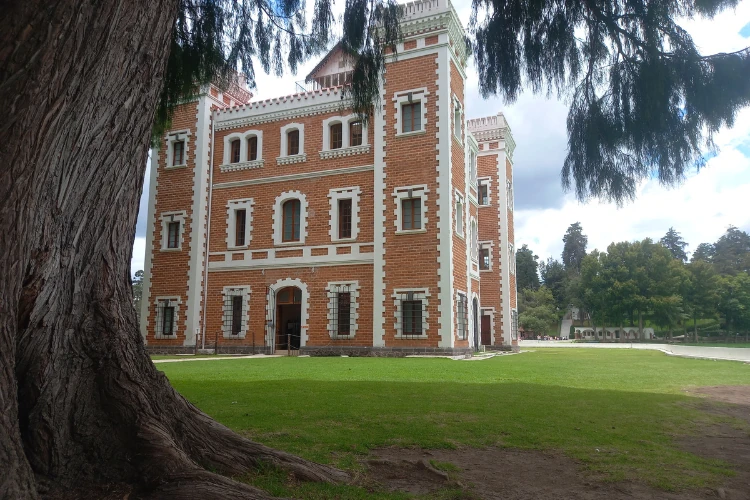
<point>336,136</point>
<point>460,215</point>
<point>171,138</point>
<point>173,303</point>
<point>178,156</point>
<point>246,204</point>
<point>252,142</point>
<point>482,251</point>
<point>411,96</point>
<point>335,195</point>
<point>278,218</point>
<point>352,135</point>
<point>235,150</point>
<point>482,185</point>
<point>413,117</point>
<point>410,192</point>
<point>230,295</point>
<point>166,219</point>
<point>173,238</point>
<point>345,219</point>
<point>401,295</point>
<point>334,291</point>
<point>295,235</point>
<point>462,321</point>
<point>292,142</point>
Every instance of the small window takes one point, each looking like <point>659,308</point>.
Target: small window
<point>173,235</point>
<point>345,218</point>
<point>240,217</point>
<point>235,151</point>
<point>291,221</point>
<point>167,319</point>
<point>460,218</point>
<point>457,121</point>
<point>463,317</point>
<point>355,133</point>
<point>484,195</point>
<point>178,153</point>
<point>411,115</point>
<point>292,139</point>
<point>344,304</point>
<point>411,312</point>
<point>337,136</point>
<point>252,148</point>
<point>237,314</point>
<point>484,259</point>
<point>411,213</point>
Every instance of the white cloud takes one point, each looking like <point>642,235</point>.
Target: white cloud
<point>139,254</point>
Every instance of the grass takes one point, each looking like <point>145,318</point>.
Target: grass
<point>616,411</point>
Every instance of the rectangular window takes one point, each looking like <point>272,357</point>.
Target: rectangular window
<point>240,217</point>
<point>484,195</point>
<point>173,235</point>
<point>290,231</point>
<point>355,133</point>
<point>344,304</point>
<point>411,115</point>
<point>463,317</point>
<point>411,214</point>
<point>167,320</point>
<point>178,153</point>
<point>484,259</point>
<point>411,312</point>
<point>252,148</point>
<point>292,142</point>
<point>236,151</point>
<point>460,218</point>
<point>457,122</point>
<point>345,218</point>
<point>337,136</point>
<point>237,314</point>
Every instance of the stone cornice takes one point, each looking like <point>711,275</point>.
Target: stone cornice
<point>245,165</point>
<point>350,151</point>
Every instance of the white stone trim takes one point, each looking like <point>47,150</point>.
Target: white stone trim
<point>487,311</point>
<point>274,289</point>
<point>248,165</point>
<point>474,239</point>
<point>379,202</point>
<point>174,301</point>
<point>243,291</point>
<point>444,195</point>
<point>488,182</point>
<point>150,232</point>
<point>460,222</point>
<point>284,139</point>
<point>170,138</point>
<point>231,221</point>
<point>457,107</point>
<point>489,245</point>
<point>333,288</point>
<point>462,293</point>
<point>422,294</point>
<point>278,217</point>
<point>166,218</point>
<point>346,147</point>
<point>228,139</point>
<point>511,258</point>
<point>342,152</point>
<point>509,194</point>
<point>334,195</point>
<point>400,98</point>
<point>401,193</point>
<point>294,177</point>
<point>227,165</point>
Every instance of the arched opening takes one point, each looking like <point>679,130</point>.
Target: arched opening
<point>288,318</point>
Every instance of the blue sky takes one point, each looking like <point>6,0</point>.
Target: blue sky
<point>701,208</point>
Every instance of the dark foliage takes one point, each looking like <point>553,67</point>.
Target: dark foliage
<point>644,101</point>
<point>675,244</point>
<point>574,248</point>
<point>527,276</point>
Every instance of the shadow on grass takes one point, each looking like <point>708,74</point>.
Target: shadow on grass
<point>615,435</point>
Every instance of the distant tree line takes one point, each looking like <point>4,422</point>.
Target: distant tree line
<point>632,283</point>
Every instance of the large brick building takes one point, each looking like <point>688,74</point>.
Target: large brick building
<point>290,224</point>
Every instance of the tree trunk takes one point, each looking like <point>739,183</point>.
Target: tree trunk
<point>82,403</point>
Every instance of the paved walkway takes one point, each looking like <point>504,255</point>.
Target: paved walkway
<point>216,358</point>
<point>685,351</point>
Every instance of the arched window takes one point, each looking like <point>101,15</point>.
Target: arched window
<point>292,142</point>
<point>337,136</point>
<point>235,157</point>
<point>252,148</point>
<point>290,221</point>
<point>355,133</point>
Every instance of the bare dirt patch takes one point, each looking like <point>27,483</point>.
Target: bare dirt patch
<point>508,474</point>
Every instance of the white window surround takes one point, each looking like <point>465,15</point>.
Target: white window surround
<point>278,218</point>
<point>334,195</point>
<point>488,182</point>
<point>473,168</point>
<point>234,291</point>
<point>404,192</point>
<point>509,194</point>
<point>232,207</point>
<point>401,98</point>
<point>172,137</point>
<point>511,258</point>
<point>270,308</point>
<point>422,294</point>
<point>462,294</point>
<point>344,286</point>
<point>166,218</point>
<point>489,245</point>
<point>172,301</point>
<point>244,163</point>
<point>346,149</point>
<point>285,159</point>
<point>460,217</point>
<point>457,119</point>
<point>474,229</point>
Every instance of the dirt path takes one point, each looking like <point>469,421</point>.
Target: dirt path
<point>507,474</point>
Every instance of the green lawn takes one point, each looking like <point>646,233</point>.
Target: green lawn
<point>617,411</point>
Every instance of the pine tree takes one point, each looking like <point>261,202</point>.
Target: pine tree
<point>574,248</point>
<point>675,244</point>
<point>731,252</point>
<point>527,274</point>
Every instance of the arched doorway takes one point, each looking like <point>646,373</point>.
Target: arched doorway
<point>288,318</point>
<point>475,304</point>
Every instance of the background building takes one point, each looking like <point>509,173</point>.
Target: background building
<point>290,223</point>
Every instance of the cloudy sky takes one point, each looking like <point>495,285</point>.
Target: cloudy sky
<point>701,208</point>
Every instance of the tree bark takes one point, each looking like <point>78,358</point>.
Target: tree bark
<point>81,399</point>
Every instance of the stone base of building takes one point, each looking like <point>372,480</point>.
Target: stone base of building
<point>171,350</point>
<point>383,352</point>
<point>504,348</point>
